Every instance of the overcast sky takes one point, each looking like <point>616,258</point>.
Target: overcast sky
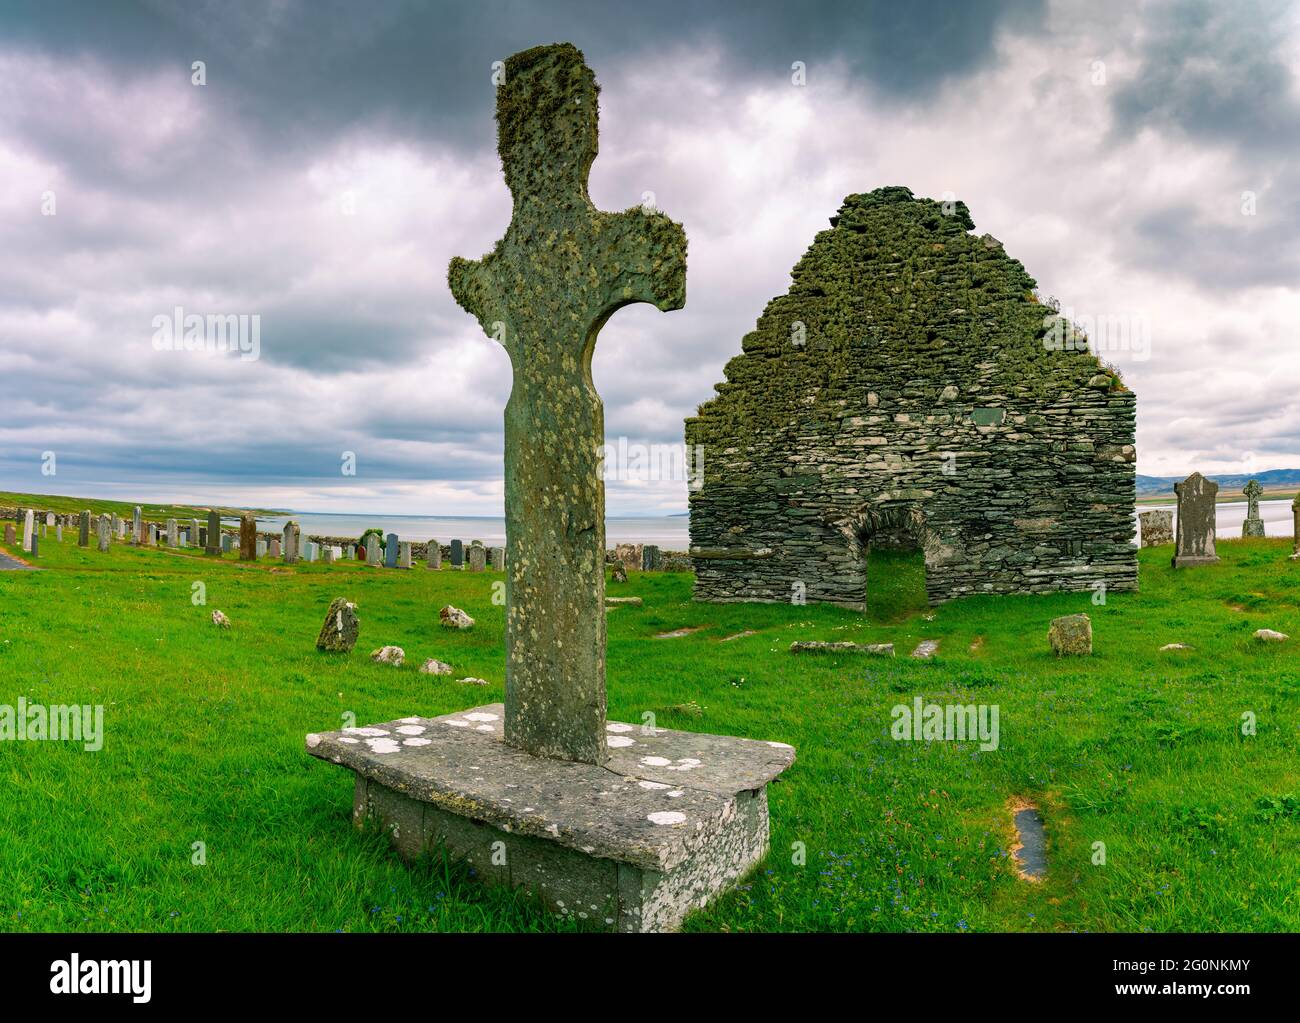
<point>1141,159</point>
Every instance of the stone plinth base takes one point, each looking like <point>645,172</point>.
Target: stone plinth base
<point>669,822</point>
<point>1191,562</point>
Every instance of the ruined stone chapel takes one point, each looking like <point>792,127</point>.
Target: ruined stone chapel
<point>905,391</point>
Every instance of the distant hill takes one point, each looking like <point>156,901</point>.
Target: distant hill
<point>1273,479</point>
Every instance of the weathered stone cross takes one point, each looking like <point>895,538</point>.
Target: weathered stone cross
<point>1253,492</point>
<point>545,291</point>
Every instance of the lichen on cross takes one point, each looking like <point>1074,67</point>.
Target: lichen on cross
<point>1253,492</point>
<point>545,291</point>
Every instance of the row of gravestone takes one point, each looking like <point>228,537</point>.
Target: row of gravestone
<point>1197,522</point>
<point>394,553</point>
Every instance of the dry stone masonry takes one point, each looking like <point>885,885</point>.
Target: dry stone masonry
<point>907,390</point>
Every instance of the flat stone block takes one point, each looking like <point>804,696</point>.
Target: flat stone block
<point>670,821</point>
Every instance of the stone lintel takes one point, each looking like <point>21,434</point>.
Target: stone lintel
<point>731,553</point>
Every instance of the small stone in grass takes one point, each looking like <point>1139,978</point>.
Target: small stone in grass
<point>220,620</point>
<point>472,681</point>
<point>1270,636</point>
<point>339,632</point>
<point>1174,646</point>
<point>454,618</point>
<point>435,667</point>
<point>619,574</point>
<point>393,655</point>
<point>1071,635</point>
<point>820,647</point>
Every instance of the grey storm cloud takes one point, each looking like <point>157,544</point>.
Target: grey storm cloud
<point>229,199</point>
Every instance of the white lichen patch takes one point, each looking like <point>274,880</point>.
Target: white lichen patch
<point>411,729</point>
<point>484,728</point>
<point>652,785</point>
<point>780,745</point>
<point>383,745</point>
<point>619,741</point>
<point>457,723</point>
<point>618,726</point>
<point>374,732</point>
<point>480,716</point>
<point>313,741</point>
<point>410,721</point>
<point>666,817</point>
<point>349,740</point>
<point>656,761</point>
<point>676,793</point>
<point>416,742</point>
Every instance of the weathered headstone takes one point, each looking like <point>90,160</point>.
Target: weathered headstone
<point>434,555</point>
<point>83,530</point>
<point>350,552</point>
<point>404,554</point>
<point>1295,529</point>
<point>612,827</point>
<point>327,553</point>
<point>310,551</point>
<point>50,520</point>
<point>58,532</point>
<point>248,537</point>
<point>629,554</point>
<point>1070,635</point>
<point>196,533</point>
<point>1156,527</point>
<point>457,554</point>
<point>274,549</point>
<point>498,559</point>
<point>290,543</point>
<point>29,529</point>
<point>173,533</point>
<point>213,537</point>
<point>103,533</point>
<point>373,557</point>
<point>261,548</point>
<point>651,559</point>
<point>1253,524</point>
<point>11,534</point>
<point>341,628</point>
<point>477,557</point>
<point>151,534</point>
<point>35,552</point>
<point>137,525</point>
<point>227,543</point>
<point>390,551</point>
<point>1196,521</point>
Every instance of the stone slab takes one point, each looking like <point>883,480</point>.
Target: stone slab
<point>671,820</point>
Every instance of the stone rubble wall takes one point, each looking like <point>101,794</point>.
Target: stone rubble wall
<point>922,404</point>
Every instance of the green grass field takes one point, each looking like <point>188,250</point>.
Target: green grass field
<point>123,509</point>
<point>1137,749</point>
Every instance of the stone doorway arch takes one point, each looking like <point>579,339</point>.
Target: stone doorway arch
<point>893,520</point>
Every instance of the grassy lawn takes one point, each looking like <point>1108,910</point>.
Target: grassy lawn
<point>1134,748</point>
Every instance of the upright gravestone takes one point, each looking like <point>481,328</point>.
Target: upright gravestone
<point>103,533</point>
<point>290,536</point>
<point>274,549</point>
<point>477,557</point>
<point>641,844</point>
<point>227,544</point>
<point>404,554</point>
<point>137,526</point>
<point>498,559</point>
<point>327,553</point>
<point>173,533</point>
<point>83,530</point>
<point>1156,527</point>
<point>1196,522</point>
<point>434,555</point>
<point>372,551</point>
<point>248,537</point>
<point>214,543</point>
<point>196,533</point>
<point>1253,524</point>
<point>58,532</point>
<point>11,534</point>
<point>651,558</point>
<point>1295,529</point>
<point>350,552</point>
<point>261,548</point>
<point>151,534</point>
<point>29,529</point>
<point>36,546</point>
<point>50,520</point>
<point>390,551</point>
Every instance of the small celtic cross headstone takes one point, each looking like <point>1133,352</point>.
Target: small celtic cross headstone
<point>545,291</point>
<point>1253,525</point>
